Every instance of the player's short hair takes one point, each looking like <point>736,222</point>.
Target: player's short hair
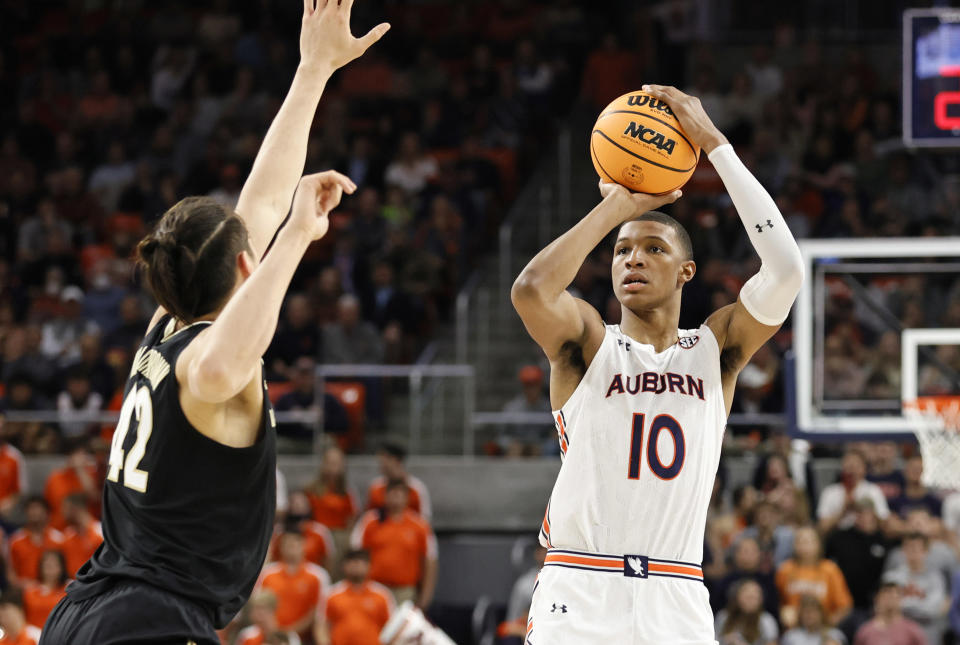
<point>189,259</point>
<point>357,554</point>
<point>397,483</point>
<point>683,238</point>
<point>394,450</point>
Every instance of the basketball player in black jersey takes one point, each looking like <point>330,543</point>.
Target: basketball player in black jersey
<point>189,500</point>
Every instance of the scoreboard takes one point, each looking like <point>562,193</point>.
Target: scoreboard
<point>931,77</point>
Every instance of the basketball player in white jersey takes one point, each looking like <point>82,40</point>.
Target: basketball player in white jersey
<point>641,407</point>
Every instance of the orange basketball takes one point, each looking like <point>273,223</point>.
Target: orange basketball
<point>637,142</point>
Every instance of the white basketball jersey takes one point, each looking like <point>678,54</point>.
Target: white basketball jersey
<point>641,438</point>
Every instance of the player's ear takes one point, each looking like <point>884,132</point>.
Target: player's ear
<point>245,264</point>
<point>688,269</point>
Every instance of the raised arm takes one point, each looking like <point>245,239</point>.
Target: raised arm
<point>558,322</point>
<point>225,357</point>
<point>766,298</point>
<point>326,44</point>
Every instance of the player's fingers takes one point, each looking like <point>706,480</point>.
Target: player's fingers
<point>307,7</point>
<point>669,198</point>
<point>373,36</point>
<point>607,187</point>
<point>346,5</point>
<point>342,180</point>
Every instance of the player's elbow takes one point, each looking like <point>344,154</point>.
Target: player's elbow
<point>526,288</point>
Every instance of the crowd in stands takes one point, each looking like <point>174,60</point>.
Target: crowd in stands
<point>116,111</point>
<point>335,570</point>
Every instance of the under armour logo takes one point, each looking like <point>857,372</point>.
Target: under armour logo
<point>561,608</point>
<point>636,566</point>
<point>620,342</point>
<point>759,227</point>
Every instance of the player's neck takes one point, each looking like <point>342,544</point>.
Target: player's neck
<point>657,327</point>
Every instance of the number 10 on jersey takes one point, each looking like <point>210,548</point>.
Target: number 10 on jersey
<point>657,467</point>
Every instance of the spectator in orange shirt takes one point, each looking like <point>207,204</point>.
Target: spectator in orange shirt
<point>402,546</point>
<point>263,615</point>
<point>13,477</point>
<point>39,598</point>
<point>333,504</point>
<point>807,573</point>
<point>357,608</point>
<point>392,466</point>
<point>28,544</point>
<point>16,631</point>
<point>83,534</point>
<point>318,546</point>
<point>300,586</point>
<point>78,476</point>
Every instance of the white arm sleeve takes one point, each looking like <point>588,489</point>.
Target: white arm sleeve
<point>769,294</point>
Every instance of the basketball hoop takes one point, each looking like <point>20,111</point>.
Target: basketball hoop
<point>936,422</point>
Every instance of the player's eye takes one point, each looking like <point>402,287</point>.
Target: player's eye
<point>622,250</point>
<point>656,249</point>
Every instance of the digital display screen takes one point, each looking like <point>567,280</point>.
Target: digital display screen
<point>931,77</point>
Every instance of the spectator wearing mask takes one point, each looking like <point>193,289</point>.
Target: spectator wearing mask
<point>332,502</point>
<point>746,566</point>
<point>83,533</point>
<point>357,608</point>
<point>888,625</point>
<point>807,573</point>
<point>28,545</point>
<point>300,586</point>
<point>744,622</point>
<point>392,458</point>
<point>860,552</point>
<point>263,616</point>
<point>836,508</point>
<point>13,622</point>
<point>402,547</point>
<point>40,597</point>
<point>61,335</point>
<point>924,593</point>
<point>302,398</point>
<point>812,628</point>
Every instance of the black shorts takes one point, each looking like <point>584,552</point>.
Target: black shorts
<point>129,612</point>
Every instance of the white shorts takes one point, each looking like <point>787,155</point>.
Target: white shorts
<point>595,599</point>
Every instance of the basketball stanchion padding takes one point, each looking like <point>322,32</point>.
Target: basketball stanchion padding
<point>936,422</point>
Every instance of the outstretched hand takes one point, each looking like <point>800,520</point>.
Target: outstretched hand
<point>325,38</point>
<point>691,115</point>
<point>639,203</point>
<point>316,196</point>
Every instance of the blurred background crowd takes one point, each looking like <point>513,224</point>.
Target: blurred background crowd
<point>113,111</point>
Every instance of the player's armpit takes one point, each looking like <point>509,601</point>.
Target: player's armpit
<point>555,322</point>
<point>739,335</point>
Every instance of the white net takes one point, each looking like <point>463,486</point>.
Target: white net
<point>936,422</point>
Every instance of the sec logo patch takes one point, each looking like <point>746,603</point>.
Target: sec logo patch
<point>687,342</point>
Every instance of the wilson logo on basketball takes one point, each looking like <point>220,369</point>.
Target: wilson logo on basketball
<point>651,136</point>
<point>640,100</point>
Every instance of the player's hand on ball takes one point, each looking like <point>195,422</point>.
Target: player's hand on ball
<point>316,196</point>
<point>691,115</point>
<point>639,202</point>
<point>325,38</point>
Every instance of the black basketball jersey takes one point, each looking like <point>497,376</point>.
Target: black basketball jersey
<point>181,511</point>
